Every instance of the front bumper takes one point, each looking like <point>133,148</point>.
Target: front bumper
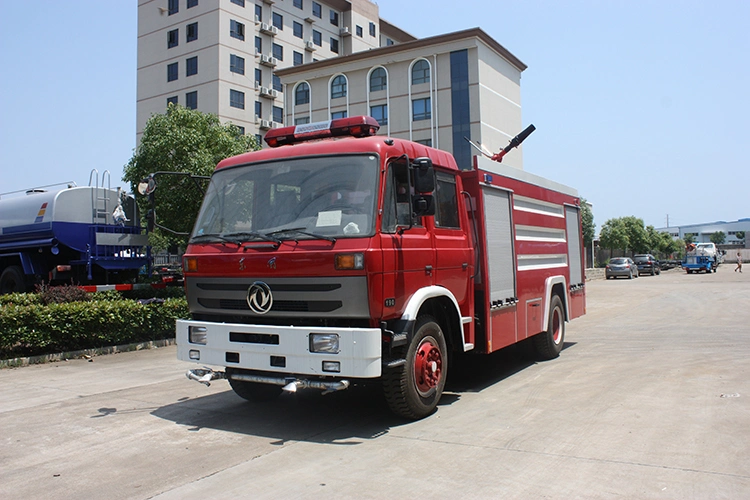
<point>251,347</point>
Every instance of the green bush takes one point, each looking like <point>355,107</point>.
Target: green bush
<point>28,328</point>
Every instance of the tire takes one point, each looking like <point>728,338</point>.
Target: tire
<point>549,344</point>
<point>413,389</point>
<point>12,280</point>
<point>253,391</point>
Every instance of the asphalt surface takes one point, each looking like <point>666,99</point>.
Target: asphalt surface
<point>649,399</point>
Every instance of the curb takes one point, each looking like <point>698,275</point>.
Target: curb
<point>85,353</point>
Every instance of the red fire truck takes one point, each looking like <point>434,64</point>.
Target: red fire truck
<point>338,256</point>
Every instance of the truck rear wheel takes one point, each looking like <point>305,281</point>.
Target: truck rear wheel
<point>414,388</point>
<point>252,391</point>
<point>12,280</point>
<point>549,344</point>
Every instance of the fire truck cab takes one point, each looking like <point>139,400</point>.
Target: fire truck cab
<point>339,256</point>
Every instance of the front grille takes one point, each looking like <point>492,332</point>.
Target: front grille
<point>278,306</point>
<point>254,338</point>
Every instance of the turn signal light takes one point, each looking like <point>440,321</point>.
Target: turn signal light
<point>190,264</point>
<point>350,261</point>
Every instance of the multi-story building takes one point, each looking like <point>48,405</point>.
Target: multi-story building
<point>735,232</point>
<point>436,91</point>
<point>221,56</point>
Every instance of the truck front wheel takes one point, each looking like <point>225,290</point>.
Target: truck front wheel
<point>12,280</point>
<point>549,344</point>
<point>414,388</point>
<point>252,391</point>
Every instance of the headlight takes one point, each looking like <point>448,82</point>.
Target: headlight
<point>324,342</point>
<point>197,334</point>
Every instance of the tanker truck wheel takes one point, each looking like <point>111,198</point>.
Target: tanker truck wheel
<point>253,391</point>
<point>549,344</point>
<point>12,280</point>
<point>413,389</point>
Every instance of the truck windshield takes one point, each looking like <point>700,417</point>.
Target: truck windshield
<point>300,198</point>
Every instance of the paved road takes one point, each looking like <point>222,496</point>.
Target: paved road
<point>650,399</point>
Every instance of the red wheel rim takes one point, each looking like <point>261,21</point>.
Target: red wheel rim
<point>556,326</point>
<point>428,366</point>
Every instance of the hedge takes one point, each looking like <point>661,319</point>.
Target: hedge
<point>29,328</point>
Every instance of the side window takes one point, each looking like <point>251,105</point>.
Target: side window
<point>446,209</point>
<point>396,203</point>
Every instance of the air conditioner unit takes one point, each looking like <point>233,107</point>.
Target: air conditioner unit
<point>345,31</point>
<point>269,29</point>
<point>257,119</point>
<point>257,85</point>
<point>257,19</point>
<point>268,60</point>
<point>274,30</point>
<point>265,91</point>
<point>309,45</point>
<point>265,124</point>
<point>272,61</point>
<point>274,93</point>
<point>275,125</point>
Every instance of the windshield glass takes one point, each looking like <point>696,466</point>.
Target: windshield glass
<point>299,198</point>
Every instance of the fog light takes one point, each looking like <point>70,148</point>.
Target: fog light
<point>194,354</point>
<point>332,366</point>
<point>324,342</point>
<point>197,334</point>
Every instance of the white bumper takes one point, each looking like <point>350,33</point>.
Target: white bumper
<point>359,349</point>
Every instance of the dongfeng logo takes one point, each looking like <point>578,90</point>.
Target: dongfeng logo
<point>259,298</point>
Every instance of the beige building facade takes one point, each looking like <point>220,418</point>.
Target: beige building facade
<point>435,91</point>
<point>221,56</point>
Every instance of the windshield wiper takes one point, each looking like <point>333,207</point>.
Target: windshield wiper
<point>301,230</point>
<point>212,238</point>
<point>252,234</point>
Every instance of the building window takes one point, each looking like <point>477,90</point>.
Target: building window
<point>278,20</point>
<point>258,45</point>
<point>278,114</point>
<point>338,114</point>
<point>298,58</point>
<point>258,76</point>
<point>388,42</point>
<point>372,29</point>
<point>424,142</point>
<point>297,29</point>
<point>192,32</point>
<point>317,38</point>
<point>192,3</point>
<point>277,83</point>
<point>241,130</point>
<point>191,100</point>
<point>191,66</point>
<point>278,51</point>
<point>302,120</point>
<point>173,6</point>
<point>380,113</point>
<point>241,3</point>
<point>421,109</point>
<point>237,64</point>
<point>236,99</point>
<point>173,38</point>
<point>338,87</point>
<point>334,45</point>
<point>317,10</point>
<point>237,30</point>
<point>302,94</point>
<point>378,80</point>
<point>258,140</point>
<point>359,31</point>
<point>258,13</point>
<point>172,100</point>
<point>334,18</point>
<point>297,3</point>
<point>258,109</point>
<point>420,72</point>
<point>172,70</point>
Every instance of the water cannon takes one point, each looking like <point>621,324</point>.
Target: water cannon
<point>514,143</point>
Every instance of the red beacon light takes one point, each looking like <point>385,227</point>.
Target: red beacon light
<point>355,126</point>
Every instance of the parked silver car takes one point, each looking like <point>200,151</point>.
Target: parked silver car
<point>621,266</point>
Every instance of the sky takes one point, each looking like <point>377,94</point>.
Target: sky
<point>642,106</point>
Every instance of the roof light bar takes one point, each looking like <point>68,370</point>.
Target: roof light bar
<point>355,126</point>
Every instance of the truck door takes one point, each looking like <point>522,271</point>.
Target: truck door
<point>453,253</point>
<point>408,252</point>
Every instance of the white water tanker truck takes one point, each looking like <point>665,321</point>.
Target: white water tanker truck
<point>66,234</point>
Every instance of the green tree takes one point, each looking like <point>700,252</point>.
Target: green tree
<point>587,223</point>
<point>614,235</point>
<point>638,241</point>
<point>181,140</point>
<point>689,238</point>
<point>740,235</point>
<point>666,246</point>
<point>718,237</point>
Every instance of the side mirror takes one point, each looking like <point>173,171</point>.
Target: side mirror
<point>147,186</point>
<point>423,204</point>
<point>424,175</point>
